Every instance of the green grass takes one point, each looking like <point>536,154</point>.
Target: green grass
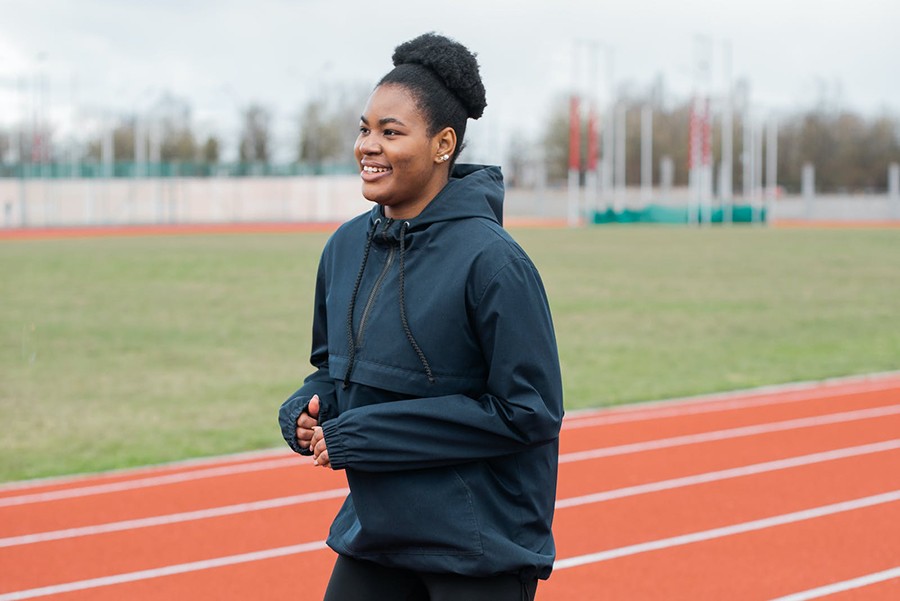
<point>125,351</point>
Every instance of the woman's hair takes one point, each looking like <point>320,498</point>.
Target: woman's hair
<point>442,75</point>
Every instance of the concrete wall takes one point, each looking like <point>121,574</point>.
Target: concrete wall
<point>86,202</point>
<point>79,202</point>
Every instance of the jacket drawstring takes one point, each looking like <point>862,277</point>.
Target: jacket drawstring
<point>351,339</point>
<point>403,320</point>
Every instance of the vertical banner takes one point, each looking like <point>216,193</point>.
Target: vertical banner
<point>593,141</point>
<point>575,134</point>
<point>574,183</point>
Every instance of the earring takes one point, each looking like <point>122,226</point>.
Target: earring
<point>446,157</point>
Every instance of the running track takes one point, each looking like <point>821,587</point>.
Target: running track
<point>790,493</point>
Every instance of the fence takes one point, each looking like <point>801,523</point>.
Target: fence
<point>67,202</point>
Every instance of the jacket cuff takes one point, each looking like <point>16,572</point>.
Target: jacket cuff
<point>337,452</point>
<point>287,418</point>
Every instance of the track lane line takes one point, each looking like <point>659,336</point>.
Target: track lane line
<point>846,585</point>
<point>764,395</point>
<point>688,439</point>
<point>292,461</point>
<point>721,532</point>
<point>794,392</point>
<point>726,474</point>
<point>173,518</point>
<point>686,409</point>
<point>230,459</point>
<point>619,493</point>
<point>562,564</point>
<point>99,489</point>
<point>171,570</point>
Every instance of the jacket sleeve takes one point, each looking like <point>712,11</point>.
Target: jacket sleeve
<point>522,407</point>
<point>317,383</point>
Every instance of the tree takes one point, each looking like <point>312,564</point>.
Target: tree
<point>255,135</point>
<point>329,126</point>
<point>5,146</point>
<point>210,150</point>
<point>555,140</point>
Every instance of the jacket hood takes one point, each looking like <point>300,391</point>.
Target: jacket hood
<point>472,191</point>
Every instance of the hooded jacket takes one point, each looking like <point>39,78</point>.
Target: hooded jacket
<point>439,388</point>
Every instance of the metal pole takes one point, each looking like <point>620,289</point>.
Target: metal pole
<point>620,158</point>
<point>894,189</point>
<point>608,135</point>
<point>646,153</point>
<point>771,166</point>
<point>758,168</point>
<point>808,188</point>
<point>726,186</point>
<point>574,143</point>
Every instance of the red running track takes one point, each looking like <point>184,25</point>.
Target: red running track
<point>790,493</point>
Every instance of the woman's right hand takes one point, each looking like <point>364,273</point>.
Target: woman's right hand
<point>307,421</point>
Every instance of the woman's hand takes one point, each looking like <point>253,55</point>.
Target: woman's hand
<point>307,421</point>
<point>319,448</point>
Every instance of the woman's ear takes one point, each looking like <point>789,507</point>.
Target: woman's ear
<point>444,144</point>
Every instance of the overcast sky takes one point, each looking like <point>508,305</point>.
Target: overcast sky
<point>118,55</point>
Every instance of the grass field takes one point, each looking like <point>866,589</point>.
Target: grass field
<point>125,351</point>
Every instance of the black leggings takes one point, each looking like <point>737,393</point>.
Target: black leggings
<point>355,580</point>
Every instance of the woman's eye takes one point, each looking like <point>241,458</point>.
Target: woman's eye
<point>390,132</point>
<point>363,129</point>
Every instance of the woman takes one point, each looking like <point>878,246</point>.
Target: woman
<point>437,385</point>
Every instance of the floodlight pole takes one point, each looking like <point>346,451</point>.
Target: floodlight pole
<point>894,189</point>
<point>574,183</point>
<point>726,186</point>
<point>771,165</point>
<point>646,153</point>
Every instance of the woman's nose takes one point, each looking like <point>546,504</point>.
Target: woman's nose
<point>367,146</point>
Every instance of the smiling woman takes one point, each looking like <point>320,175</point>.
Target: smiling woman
<point>437,384</point>
<point>413,126</point>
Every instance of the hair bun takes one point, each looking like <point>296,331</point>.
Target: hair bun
<point>454,64</point>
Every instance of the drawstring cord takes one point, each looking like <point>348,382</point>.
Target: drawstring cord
<point>351,339</point>
<point>409,336</point>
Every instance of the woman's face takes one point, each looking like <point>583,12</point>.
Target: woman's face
<point>400,164</point>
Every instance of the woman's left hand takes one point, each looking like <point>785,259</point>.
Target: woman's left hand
<point>319,448</point>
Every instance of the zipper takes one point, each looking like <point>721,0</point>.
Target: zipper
<point>376,288</point>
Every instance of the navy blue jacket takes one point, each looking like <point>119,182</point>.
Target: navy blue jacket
<point>439,386</point>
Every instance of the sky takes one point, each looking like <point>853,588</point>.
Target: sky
<point>81,61</point>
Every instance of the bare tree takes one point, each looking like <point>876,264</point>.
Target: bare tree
<point>256,135</point>
<point>329,126</point>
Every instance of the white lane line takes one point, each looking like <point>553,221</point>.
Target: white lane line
<point>737,472</point>
<point>688,439</point>
<point>846,585</point>
<point>99,489</point>
<point>180,464</point>
<point>809,390</point>
<point>182,568</point>
<point>619,493</point>
<point>293,461</point>
<point>173,518</point>
<point>562,564</point>
<point>779,393</point>
<point>731,530</point>
<point>694,408</point>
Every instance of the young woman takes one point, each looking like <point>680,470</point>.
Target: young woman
<point>437,384</point>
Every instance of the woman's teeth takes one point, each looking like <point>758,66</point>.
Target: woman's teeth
<point>368,169</point>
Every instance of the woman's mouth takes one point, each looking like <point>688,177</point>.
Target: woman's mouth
<point>370,173</point>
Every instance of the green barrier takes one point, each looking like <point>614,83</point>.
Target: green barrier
<point>664,214</point>
<point>130,169</point>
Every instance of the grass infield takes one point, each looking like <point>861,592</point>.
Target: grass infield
<point>117,352</point>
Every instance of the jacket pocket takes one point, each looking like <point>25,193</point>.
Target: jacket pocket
<point>423,512</point>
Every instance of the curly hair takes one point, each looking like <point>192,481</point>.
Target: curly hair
<point>443,77</point>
